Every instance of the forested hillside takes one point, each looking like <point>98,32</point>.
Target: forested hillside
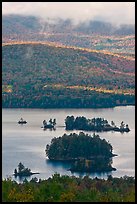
<point>39,72</point>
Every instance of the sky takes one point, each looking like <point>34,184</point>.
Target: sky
<point>114,12</point>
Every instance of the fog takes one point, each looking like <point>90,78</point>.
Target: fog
<point>113,12</point>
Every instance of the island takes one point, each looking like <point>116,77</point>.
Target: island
<point>94,124</point>
<point>23,171</point>
<point>85,153</point>
<point>50,125</point>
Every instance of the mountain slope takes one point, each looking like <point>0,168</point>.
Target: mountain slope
<point>42,75</point>
<point>68,65</point>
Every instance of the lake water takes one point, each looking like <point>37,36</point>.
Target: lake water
<point>26,143</point>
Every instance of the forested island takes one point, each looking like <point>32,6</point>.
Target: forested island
<point>86,153</point>
<point>94,124</point>
<point>49,125</point>
<point>23,171</point>
<point>63,188</point>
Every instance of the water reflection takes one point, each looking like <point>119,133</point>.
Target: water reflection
<point>49,129</point>
<point>20,179</point>
<point>27,143</point>
<point>57,164</point>
<point>99,174</point>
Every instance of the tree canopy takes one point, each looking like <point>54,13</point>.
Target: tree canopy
<point>73,146</point>
<point>96,124</point>
<point>63,188</point>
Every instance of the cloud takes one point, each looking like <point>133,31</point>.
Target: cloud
<point>115,12</point>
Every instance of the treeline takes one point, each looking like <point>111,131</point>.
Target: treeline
<point>50,97</point>
<point>70,189</point>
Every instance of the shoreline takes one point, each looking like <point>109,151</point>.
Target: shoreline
<point>54,108</point>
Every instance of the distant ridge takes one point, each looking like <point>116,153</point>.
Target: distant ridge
<point>18,24</point>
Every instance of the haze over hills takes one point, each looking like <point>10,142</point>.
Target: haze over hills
<point>18,23</point>
<point>84,34</point>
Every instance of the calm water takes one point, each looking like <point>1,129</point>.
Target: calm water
<point>26,143</point>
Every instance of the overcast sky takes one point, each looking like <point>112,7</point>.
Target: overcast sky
<point>115,12</point>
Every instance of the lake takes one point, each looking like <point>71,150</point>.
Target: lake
<point>27,143</point>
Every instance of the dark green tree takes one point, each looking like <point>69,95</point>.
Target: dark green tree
<point>69,121</point>
<point>21,167</point>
